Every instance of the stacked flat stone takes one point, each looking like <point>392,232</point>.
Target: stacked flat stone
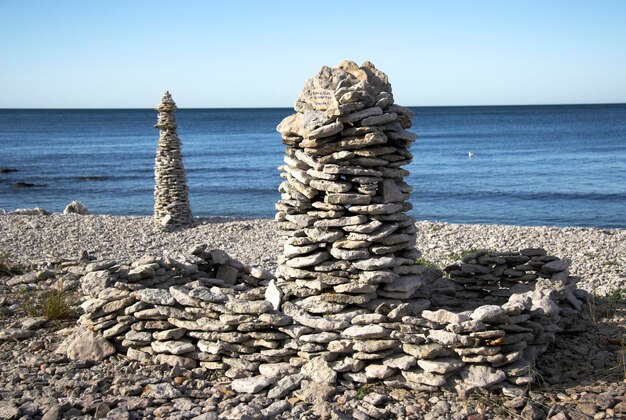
<point>495,276</point>
<point>207,310</point>
<point>344,200</point>
<point>171,195</point>
<point>201,309</point>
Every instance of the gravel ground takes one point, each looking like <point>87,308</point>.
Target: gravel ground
<point>581,376</point>
<point>598,255</point>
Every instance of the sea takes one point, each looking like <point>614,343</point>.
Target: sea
<point>559,165</point>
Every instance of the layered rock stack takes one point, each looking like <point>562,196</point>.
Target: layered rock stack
<point>344,199</point>
<point>202,309</point>
<point>205,309</point>
<point>171,195</point>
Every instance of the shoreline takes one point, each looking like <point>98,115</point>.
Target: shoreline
<point>598,254</point>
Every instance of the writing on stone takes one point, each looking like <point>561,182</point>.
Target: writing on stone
<point>322,98</point>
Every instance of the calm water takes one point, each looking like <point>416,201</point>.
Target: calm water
<point>532,165</point>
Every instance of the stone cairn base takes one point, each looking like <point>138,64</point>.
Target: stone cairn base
<point>349,303</point>
<point>208,310</point>
<point>171,195</point>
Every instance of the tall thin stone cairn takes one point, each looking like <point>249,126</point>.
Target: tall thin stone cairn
<point>344,198</point>
<point>171,195</point>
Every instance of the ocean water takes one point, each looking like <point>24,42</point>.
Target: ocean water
<point>532,165</point>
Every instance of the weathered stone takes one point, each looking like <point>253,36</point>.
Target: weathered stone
<point>442,316</point>
<point>308,260</point>
<point>318,371</point>
<point>95,282</point>
<point>374,263</point>
<point>249,307</point>
<point>161,391</point>
<point>404,284</point>
<point>376,371</point>
<point>427,350</point>
<point>89,346</point>
<point>366,332</point>
<point>478,376</point>
<point>172,347</point>
<point>442,365</point>
<point>11,334</point>
<point>251,385</point>
<point>490,314</point>
<point>154,296</point>
<point>400,361</point>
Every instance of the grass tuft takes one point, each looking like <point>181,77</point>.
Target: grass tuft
<point>424,261</point>
<point>51,304</point>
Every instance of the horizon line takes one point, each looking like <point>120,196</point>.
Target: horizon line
<point>288,107</point>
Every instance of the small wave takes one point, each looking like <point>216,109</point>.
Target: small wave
<point>93,178</point>
<point>518,195</point>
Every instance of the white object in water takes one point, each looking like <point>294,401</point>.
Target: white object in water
<point>470,154</point>
<point>273,294</point>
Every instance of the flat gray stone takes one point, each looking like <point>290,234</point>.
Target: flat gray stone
<point>8,410</point>
<point>172,347</point>
<point>11,334</point>
<point>89,346</point>
<point>341,221</point>
<point>308,260</point>
<point>154,296</point>
<point>375,263</point>
<point>249,306</point>
<point>490,314</point>
<point>443,316</point>
<point>366,332</point>
<point>251,385</point>
<point>404,284</point>
<point>91,284</point>
<point>319,371</point>
<point>442,365</point>
<point>284,386</point>
<point>387,208</point>
<point>479,376</point>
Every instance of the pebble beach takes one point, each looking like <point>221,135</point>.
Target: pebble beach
<point>40,383</point>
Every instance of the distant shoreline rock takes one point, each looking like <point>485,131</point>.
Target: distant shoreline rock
<point>7,170</point>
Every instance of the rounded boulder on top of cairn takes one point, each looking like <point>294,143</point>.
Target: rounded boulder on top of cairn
<point>350,243</point>
<point>171,195</point>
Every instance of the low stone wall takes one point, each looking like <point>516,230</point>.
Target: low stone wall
<point>206,309</point>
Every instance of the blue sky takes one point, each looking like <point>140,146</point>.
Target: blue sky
<point>119,54</point>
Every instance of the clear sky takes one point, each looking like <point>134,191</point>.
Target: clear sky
<point>123,54</point>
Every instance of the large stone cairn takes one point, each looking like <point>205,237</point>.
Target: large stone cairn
<point>349,305</point>
<point>344,197</point>
<point>171,195</point>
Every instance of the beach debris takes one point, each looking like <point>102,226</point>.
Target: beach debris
<point>76,207</point>
<point>171,194</point>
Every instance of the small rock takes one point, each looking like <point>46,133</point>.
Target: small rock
<point>8,410</point>
<point>89,346</point>
<point>251,385</point>
<point>11,334</point>
<point>161,391</point>
<point>76,207</point>
<point>318,370</point>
